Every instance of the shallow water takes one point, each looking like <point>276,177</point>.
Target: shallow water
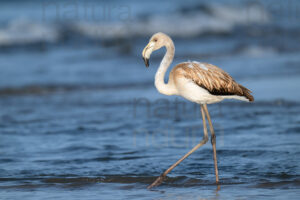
<point>81,119</point>
<point>67,145</point>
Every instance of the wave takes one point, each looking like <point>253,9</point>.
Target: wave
<point>50,89</point>
<point>178,181</point>
<point>23,31</point>
<point>190,22</point>
<point>215,19</point>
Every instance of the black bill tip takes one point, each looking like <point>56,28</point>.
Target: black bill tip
<point>146,60</point>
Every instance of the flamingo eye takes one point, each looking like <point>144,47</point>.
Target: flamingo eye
<point>155,40</point>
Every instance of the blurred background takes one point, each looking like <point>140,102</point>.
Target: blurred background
<point>80,117</point>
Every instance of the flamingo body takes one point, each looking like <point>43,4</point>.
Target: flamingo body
<point>201,83</point>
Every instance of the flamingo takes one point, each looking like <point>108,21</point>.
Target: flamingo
<point>197,82</point>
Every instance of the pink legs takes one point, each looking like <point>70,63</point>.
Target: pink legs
<point>161,178</point>
<point>213,142</point>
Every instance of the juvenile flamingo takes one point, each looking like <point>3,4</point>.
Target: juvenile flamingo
<point>201,83</point>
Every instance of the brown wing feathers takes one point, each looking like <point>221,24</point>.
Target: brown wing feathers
<point>213,79</point>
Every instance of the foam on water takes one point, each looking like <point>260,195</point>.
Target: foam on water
<point>219,20</point>
<point>22,31</point>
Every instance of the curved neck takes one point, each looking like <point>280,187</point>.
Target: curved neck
<point>162,87</point>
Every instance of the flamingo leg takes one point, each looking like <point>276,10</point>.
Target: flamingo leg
<point>213,142</point>
<point>161,178</point>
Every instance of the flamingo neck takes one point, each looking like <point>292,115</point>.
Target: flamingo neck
<point>162,87</point>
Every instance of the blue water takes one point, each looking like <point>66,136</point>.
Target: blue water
<point>80,117</point>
